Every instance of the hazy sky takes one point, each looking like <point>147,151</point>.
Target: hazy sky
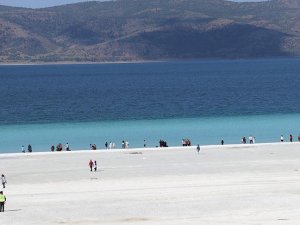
<point>46,3</point>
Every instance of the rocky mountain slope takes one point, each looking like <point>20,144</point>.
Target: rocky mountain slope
<point>126,30</point>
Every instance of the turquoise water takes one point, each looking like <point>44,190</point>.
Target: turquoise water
<point>210,130</point>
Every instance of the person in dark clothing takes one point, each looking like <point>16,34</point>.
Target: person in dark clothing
<point>29,148</point>
<point>222,142</point>
<point>95,165</point>
<point>198,148</point>
<point>2,201</point>
<point>3,180</point>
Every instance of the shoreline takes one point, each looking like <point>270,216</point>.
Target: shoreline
<point>139,61</point>
<point>81,63</point>
<point>145,149</point>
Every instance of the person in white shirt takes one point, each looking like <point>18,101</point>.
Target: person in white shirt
<point>250,139</point>
<point>67,147</point>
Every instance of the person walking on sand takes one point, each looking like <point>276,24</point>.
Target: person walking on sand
<point>198,148</point>
<point>95,165</point>
<point>3,180</point>
<point>91,165</point>
<point>291,138</point>
<point>2,201</point>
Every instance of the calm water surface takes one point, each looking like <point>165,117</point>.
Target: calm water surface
<point>206,100</point>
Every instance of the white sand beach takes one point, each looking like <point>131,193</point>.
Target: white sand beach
<point>223,185</point>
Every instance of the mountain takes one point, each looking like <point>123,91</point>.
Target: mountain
<point>127,30</point>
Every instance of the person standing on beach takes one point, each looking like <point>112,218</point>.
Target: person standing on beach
<point>23,149</point>
<point>198,148</point>
<point>251,139</point>
<point>3,180</point>
<point>91,165</point>
<point>68,147</point>
<point>52,148</point>
<point>299,137</point>
<point>222,142</point>
<point>95,165</point>
<point>281,138</point>
<point>2,201</point>
<point>291,138</point>
<point>29,148</point>
<point>106,145</point>
<point>144,143</point>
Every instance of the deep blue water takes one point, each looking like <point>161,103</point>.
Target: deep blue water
<point>60,93</point>
<point>135,92</point>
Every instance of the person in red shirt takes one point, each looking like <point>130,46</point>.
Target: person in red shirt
<point>91,164</point>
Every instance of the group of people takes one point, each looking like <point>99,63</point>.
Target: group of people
<point>290,137</point>
<point>125,144</point>
<point>244,140</point>
<point>29,148</point>
<point>2,196</point>
<point>93,165</point>
<point>110,145</point>
<point>93,147</point>
<point>186,142</point>
<point>252,139</point>
<point>59,147</point>
<point>163,143</point>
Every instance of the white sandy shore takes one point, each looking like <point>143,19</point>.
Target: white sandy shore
<point>223,185</point>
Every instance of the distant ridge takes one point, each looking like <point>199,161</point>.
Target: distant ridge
<point>128,30</point>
